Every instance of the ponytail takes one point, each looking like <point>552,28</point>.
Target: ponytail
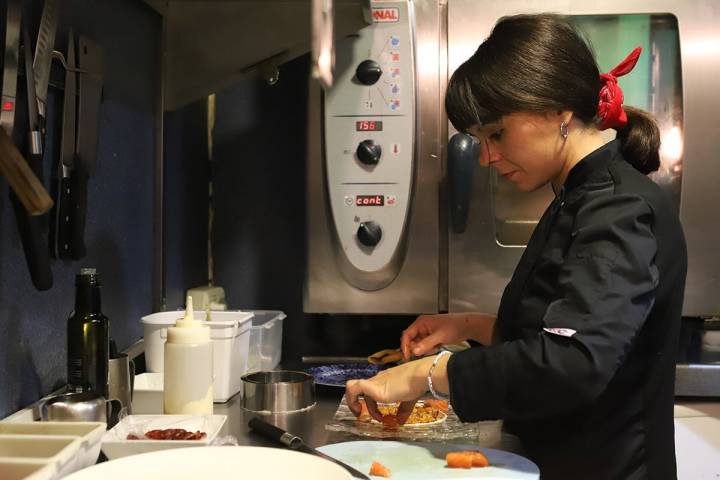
<point>640,140</point>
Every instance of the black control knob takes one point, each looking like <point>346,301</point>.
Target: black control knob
<point>368,72</point>
<point>369,233</point>
<point>369,152</point>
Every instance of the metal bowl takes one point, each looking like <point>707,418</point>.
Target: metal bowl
<point>279,391</point>
<point>74,407</point>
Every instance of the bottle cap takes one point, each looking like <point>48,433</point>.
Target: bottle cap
<point>188,330</point>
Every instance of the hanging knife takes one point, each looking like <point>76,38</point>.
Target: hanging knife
<point>61,227</point>
<point>29,226</point>
<point>43,56</point>
<point>90,62</point>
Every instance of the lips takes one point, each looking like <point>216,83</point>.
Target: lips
<point>509,175</point>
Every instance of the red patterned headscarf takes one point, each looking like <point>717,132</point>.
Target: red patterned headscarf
<point>610,113</point>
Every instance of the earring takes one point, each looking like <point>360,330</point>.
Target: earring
<point>564,130</point>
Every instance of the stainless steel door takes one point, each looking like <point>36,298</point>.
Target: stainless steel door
<point>482,259</point>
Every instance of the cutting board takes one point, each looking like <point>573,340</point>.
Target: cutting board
<point>426,461</point>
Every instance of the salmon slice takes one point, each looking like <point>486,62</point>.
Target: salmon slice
<point>466,459</point>
<point>379,470</point>
<point>459,459</point>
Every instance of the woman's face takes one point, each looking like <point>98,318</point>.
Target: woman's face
<point>523,147</point>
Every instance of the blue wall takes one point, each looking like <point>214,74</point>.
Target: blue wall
<point>119,234</point>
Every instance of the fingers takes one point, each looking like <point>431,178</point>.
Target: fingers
<point>428,344</point>
<point>353,391</point>
<point>407,338</point>
<point>404,411</point>
<point>373,409</point>
<point>420,328</point>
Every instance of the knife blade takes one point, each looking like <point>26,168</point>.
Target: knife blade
<point>271,432</point>
<point>43,54</point>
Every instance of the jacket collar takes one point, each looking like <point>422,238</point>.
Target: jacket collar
<point>595,162</point>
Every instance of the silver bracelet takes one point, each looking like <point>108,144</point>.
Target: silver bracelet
<point>439,396</point>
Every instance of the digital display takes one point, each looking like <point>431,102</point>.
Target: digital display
<point>369,200</point>
<point>368,126</point>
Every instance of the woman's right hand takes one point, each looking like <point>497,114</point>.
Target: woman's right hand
<point>428,332</point>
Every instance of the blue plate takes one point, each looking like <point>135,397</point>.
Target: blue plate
<point>336,375</point>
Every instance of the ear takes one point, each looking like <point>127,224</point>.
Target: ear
<point>560,116</point>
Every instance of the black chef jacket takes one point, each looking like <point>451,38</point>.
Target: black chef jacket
<point>589,325</point>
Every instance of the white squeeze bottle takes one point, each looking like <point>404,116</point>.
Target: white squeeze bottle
<point>188,367</point>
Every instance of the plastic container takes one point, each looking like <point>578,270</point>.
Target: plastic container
<point>265,340</point>
<point>148,394</point>
<point>230,335</point>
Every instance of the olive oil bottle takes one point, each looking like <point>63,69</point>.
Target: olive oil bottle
<point>88,337</point>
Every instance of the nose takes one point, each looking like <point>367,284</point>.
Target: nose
<point>488,154</point>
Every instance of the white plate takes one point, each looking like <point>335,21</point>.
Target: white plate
<point>426,461</point>
<point>218,463</point>
<point>115,443</point>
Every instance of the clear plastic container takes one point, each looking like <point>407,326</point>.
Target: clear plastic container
<point>265,350</point>
<point>230,335</point>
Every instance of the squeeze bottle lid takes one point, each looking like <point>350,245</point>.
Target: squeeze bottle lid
<point>189,320</point>
<point>188,330</point>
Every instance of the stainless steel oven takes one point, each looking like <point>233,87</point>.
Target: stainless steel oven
<point>396,224</point>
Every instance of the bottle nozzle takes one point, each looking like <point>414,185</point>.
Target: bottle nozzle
<point>189,320</point>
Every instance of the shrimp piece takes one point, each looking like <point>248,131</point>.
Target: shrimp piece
<point>379,470</point>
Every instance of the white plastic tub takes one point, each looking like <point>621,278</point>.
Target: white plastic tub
<point>230,335</point>
<point>265,340</point>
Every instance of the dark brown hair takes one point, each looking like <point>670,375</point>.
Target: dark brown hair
<point>538,63</point>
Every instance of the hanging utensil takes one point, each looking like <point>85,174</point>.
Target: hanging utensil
<point>23,182</point>
<point>30,226</point>
<point>61,227</point>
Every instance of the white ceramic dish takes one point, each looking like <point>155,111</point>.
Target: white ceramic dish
<point>89,433</point>
<point>217,462</point>
<point>116,445</point>
<point>148,394</point>
<point>426,460</point>
<point>59,452</point>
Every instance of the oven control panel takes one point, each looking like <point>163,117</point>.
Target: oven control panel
<point>369,143</point>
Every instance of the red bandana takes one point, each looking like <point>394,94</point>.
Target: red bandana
<point>610,113</point>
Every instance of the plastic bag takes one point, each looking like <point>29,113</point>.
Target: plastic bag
<point>451,428</point>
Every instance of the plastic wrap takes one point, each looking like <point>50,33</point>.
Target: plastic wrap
<point>449,429</point>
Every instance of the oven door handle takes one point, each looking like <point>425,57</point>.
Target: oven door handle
<point>463,152</point>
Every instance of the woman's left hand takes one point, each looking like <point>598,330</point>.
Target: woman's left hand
<point>405,383</point>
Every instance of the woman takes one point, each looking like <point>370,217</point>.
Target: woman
<point>580,360</point>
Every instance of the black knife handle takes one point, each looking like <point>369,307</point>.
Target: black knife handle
<point>37,256</point>
<point>271,432</point>
<point>78,209</point>
<point>64,218</point>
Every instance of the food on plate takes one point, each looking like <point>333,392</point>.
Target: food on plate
<point>379,470</point>
<point>424,412</point>
<point>441,405</point>
<point>169,434</point>
<point>466,459</point>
